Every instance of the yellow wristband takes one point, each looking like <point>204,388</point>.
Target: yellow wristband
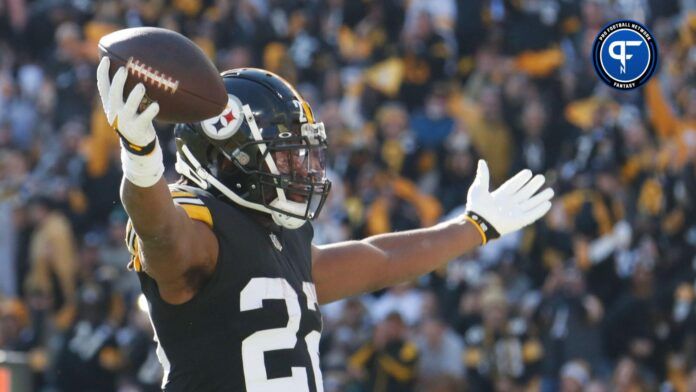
<point>478,227</point>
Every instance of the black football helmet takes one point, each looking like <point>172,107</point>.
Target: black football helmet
<point>265,151</point>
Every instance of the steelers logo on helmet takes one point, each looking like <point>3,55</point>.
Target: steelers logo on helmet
<point>624,54</point>
<point>227,123</point>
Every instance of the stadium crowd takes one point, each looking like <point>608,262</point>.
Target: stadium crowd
<point>599,296</point>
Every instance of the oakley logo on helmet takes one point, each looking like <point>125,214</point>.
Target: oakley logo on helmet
<point>227,123</point>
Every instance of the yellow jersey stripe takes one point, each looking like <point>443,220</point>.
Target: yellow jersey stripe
<point>129,235</point>
<point>199,213</point>
<point>182,194</point>
<point>137,265</point>
<point>400,372</point>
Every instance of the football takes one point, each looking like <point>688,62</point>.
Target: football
<point>176,73</point>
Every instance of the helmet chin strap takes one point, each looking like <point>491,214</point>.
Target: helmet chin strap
<point>203,178</point>
<point>287,221</point>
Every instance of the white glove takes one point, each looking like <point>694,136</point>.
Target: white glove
<point>141,155</point>
<point>510,207</point>
<point>135,128</point>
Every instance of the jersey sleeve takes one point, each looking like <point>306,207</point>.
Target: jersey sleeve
<point>186,198</point>
<point>192,203</point>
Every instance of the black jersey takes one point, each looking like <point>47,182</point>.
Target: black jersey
<point>255,324</point>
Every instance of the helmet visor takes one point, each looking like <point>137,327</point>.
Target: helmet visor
<point>301,172</point>
<point>301,164</point>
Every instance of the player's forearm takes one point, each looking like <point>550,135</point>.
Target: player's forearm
<point>151,210</point>
<point>410,254</point>
<point>350,268</point>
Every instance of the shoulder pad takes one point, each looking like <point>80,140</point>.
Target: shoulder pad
<point>187,189</point>
<point>191,200</point>
<point>187,197</point>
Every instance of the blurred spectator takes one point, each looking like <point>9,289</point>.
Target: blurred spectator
<point>388,362</point>
<point>635,325</point>
<point>535,153</point>
<point>348,330</point>
<point>441,352</point>
<point>140,362</point>
<point>15,327</point>
<point>426,56</point>
<point>8,274</point>
<point>574,377</point>
<point>572,316</point>
<point>395,136</point>
<point>403,299</point>
<point>458,169</point>
<point>490,135</point>
<point>52,254</point>
<point>501,352</point>
<point>627,377</point>
<point>399,205</point>
<point>433,125</point>
<point>88,358</point>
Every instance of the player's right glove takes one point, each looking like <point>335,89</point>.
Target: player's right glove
<point>511,207</point>
<point>141,155</point>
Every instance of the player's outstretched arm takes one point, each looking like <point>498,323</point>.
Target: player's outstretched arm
<point>354,267</point>
<point>170,242</point>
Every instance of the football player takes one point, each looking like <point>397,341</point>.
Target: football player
<point>225,258</point>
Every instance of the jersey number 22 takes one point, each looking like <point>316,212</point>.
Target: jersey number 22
<point>254,346</point>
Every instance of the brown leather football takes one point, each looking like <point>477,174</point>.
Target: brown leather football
<point>176,73</point>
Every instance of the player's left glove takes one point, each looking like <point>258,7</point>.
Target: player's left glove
<point>511,207</point>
